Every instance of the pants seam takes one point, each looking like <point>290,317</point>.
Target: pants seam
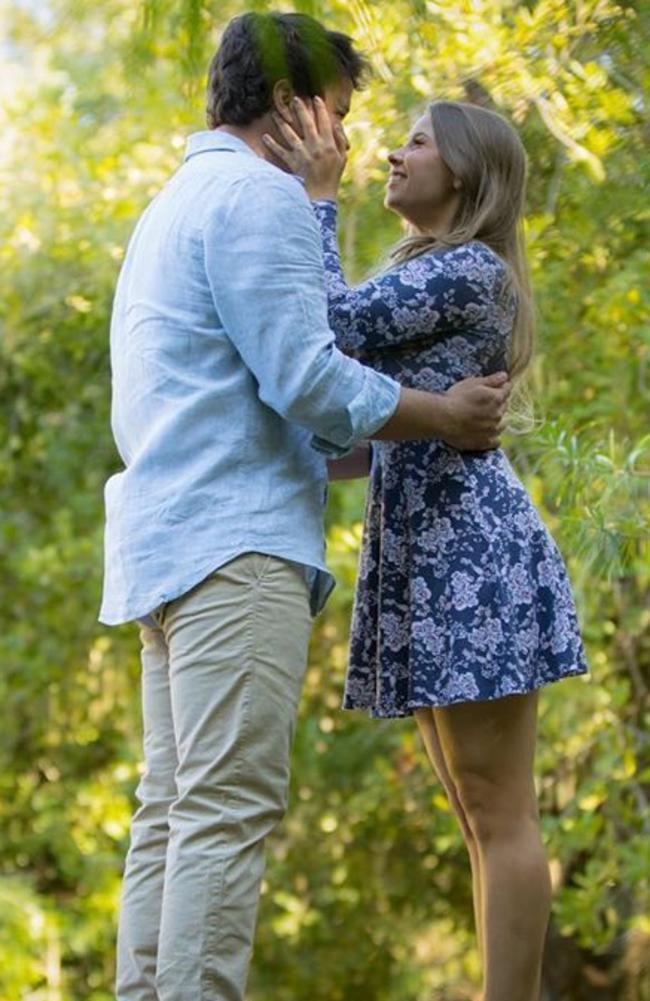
<point>212,923</point>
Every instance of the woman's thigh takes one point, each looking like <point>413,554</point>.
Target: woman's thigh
<point>489,751</point>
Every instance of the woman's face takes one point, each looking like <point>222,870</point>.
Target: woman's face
<point>421,187</point>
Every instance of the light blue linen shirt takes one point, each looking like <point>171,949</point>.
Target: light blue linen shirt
<point>228,389</point>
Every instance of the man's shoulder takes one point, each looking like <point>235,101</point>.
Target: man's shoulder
<point>261,181</point>
<point>240,171</point>
<point>257,193</point>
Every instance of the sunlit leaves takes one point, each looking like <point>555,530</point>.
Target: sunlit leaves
<point>368,880</point>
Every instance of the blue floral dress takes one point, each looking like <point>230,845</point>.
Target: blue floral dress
<point>462,593</point>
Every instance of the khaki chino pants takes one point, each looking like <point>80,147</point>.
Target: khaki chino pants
<point>221,679</point>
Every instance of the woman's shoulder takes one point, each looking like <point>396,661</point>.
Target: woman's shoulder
<point>473,255</point>
<point>472,262</point>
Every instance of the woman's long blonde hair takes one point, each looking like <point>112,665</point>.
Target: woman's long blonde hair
<point>485,153</point>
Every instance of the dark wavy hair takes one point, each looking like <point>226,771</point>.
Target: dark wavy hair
<point>258,50</point>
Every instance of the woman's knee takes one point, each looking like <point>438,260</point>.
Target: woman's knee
<point>492,809</point>
<point>461,816</point>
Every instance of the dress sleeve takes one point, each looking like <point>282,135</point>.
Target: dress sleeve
<point>451,290</point>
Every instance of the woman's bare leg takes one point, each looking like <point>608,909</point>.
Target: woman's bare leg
<point>489,750</point>
<point>427,727</point>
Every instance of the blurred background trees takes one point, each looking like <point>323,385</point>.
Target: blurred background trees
<point>367,892</point>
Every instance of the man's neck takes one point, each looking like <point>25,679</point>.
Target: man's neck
<point>251,135</point>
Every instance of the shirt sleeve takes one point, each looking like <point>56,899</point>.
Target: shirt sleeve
<point>265,268</point>
<point>459,289</point>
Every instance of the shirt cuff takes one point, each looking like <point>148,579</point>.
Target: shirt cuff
<point>368,412</point>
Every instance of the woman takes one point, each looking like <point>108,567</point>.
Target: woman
<point>463,608</point>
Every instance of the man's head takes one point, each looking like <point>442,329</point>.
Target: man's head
<point>265,59</point>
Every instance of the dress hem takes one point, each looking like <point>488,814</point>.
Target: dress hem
<point>407,713</point>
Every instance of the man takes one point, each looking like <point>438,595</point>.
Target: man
<point>228,394</point>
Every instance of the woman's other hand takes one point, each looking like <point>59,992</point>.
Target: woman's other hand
<point>319,155</point>
<point>353,466</point>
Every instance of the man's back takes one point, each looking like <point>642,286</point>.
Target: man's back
<point>223,368</point>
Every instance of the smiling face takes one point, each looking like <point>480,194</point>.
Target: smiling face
<point>421,187</point>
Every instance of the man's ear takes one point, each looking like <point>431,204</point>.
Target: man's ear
<point>283,93</point>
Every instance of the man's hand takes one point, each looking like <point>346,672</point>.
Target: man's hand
<point>469,416</point>
<point>476,410</point>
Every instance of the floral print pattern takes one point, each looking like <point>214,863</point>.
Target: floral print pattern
<point>462,593</point>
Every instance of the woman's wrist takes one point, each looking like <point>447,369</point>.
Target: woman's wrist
<point>322,195</point>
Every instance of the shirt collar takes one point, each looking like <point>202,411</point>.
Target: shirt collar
<point>215,139</point>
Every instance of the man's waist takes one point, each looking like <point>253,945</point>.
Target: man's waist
<point>142,573</point>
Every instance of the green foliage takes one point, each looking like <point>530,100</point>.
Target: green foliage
<point>367,891</point>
